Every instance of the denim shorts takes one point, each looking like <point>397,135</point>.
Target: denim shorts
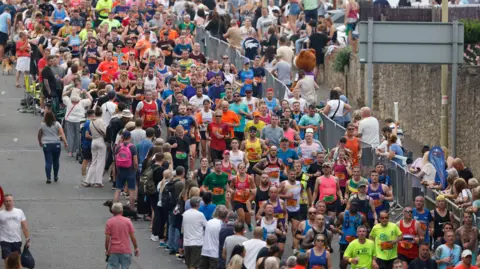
<point>119,261</point>
<point>294,9</point>
<point>125,175</point>
<point>8,248</point>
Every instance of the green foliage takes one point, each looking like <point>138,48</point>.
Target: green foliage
<point>472,31</point>
<point>342,59</point>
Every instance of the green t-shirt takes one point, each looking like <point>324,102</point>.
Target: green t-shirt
<point>384,234</point>
<point>364,252</point>
<point>190,26</point>
<point>217,184</point>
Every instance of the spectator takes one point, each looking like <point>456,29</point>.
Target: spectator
<point>369,128</point>
<point>207,208</point>
<point>193,224</point>
<point>336,109</point>
<point>253,246</point>
<point>210,249</point>
<point>226,231</point>
<point>463,171</point>
<point>119,232</point>
<point>234,35</point>
<point>283,70</point>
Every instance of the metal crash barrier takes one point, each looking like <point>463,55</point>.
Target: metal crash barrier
<point>405,185</point>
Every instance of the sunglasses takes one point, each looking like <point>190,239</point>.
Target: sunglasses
<point>225,58</point>
<point>236,96</point>
<point>189,109</point>
<point>383,217</point>
<point>320,240</point>
<point>408,211</point>
<point>312,212</point>
<point>351,129</point>
<point>218,116</point>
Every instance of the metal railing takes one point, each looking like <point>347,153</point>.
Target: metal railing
<point>405,185</point>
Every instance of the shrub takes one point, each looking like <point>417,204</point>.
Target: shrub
<point>342,59</point>
<point>472,31</point>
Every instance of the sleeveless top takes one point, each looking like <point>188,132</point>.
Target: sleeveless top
<point>270,104</point>
<point>254,150</point>
<point>293,204</point>
<point>241,190</point>
<point>317,262</point>
<point>290,135</point>
<point>150,113</point>
<point>349,227</point>
<point>201,177</point>
<point>150,84</point>
<point>423,221</point>
<point>91,61</point>
<point>273,171</point>
<point>267,118</point>
<point>328,190</point>
<point>227,170</point>
<point>260,198</point>
<point>133,31</point>
<point>58,16</point>
<point>268,228</point>
<point>375,195</point>
<point>307,227</point>
<point>237,158</point>
<point>163,71</point>
<point>278,212</point>
<point>363,205</point>
<point>407,247</point>
<point>438,222</point>
<point>352,186</point>
<point>340,171</point>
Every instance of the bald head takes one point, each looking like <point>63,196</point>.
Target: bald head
<point>366,112</point>
<point>258,233</point>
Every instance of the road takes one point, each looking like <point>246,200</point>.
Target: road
<point>66,221</point>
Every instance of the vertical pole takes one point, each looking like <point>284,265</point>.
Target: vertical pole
<point>370,63</point>
<point>454,88</point>
<point>444,82</point>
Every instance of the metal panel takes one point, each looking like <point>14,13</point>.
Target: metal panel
<point>412,42</point>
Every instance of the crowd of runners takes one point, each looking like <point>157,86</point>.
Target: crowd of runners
<point>204,157</point>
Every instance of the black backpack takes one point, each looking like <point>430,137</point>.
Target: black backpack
<point>169,201</point>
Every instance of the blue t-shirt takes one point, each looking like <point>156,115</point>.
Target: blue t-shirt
<point>207,210</point>
<point>215,92</point>
<point>398,151</point>
<point>425,218</point>
<point>143,149</point>
<point>189,91</point>
<point>382,179</point>
<point>86,143</point>
<point>243,76</point>
<point>288,154</point>
<point>237,108</point>
<point>307,120</point>
<point>3,22</point>
<point>185,121</point>
<point>165,94</point>
<point>181,47</point>
<point>443,251</point>
<point>13,10</point>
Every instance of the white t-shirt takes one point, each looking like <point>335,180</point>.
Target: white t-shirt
<point>197,102</point>
<point>11,225</point>
<point>333,107</point>
<point>303,102</point>
<point>211,238</point>
<point>192,225</point>
<point>252,247</point>
<point>237,158</point>
<point>370,130</point>
<point>108,109</point>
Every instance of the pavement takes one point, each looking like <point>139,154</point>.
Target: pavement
<point>66,221</point>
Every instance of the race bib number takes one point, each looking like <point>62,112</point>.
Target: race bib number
<point>406,244</point>
<point>242,194</point>
<point>308,161</point>
<point>329,199</point>
<point>91,60</point>
<point>377,203</point>
<point>218,191</point>
<point>274,174</point>
<point>350,238</point>
<point>317,267</point>
<point>386,246</point>
<point>149,117</point>
<point>340,176</point>
<point>181,155</point>
<point>423,226</point>
<point>248,81</point>
<point>250,107</point>
<point>261,203</point>
<point>292,202</point>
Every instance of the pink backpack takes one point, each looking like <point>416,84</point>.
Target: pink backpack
<point>123,158</point>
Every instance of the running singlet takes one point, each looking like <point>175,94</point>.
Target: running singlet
<point>328,190</point>
<point>375,195</point>
<point>407,247</point>
<point>273,172</point>
<point>268,228</point>
<point>254,150</point>
<point>149,112</point>
<point>261,198</point>
<point>150,84</point>
<point>317,261</point>
<point>349,227</point>
<point>424,218</point>
<point>237,158</point>
<point>293,204</point>
<point>278,211</point>
<point>270,104</point>
<point>242,190</point>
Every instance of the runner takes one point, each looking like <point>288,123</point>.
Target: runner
<point>243,189</point>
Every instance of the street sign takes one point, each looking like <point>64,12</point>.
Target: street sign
<point>412,42</point>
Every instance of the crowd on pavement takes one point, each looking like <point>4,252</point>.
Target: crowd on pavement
<point>204,157</point>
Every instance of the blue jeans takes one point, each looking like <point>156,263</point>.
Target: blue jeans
<point>51,152</point>
<point>299,44</point>
<point>311,15</point>
<point>173,232</point>
<point>119,261</point>
<point>340,121</point>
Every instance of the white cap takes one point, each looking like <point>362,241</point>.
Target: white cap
<point>309,130</point>
<point>466,253</point>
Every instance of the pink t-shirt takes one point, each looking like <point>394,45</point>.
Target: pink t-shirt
<point>119,228</point>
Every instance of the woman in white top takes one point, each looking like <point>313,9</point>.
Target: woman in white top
<point>307,87</point>
<point>99,151</point>
<point>246,30</point>
<point>74,113</point>
<point>237,156</point>
<point>427,173</point>
<point>336,108</point>
<point>203,118</point>
<point>227,74</point>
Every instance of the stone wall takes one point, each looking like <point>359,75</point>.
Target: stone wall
<point>417,90</point>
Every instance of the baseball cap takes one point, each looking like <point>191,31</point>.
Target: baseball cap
<point>226,152</point>
<point>256,114</point>
<point>440,198</point>
<point>246,61</point>
<point>466,253</point>
<point>270,90</point>
<point>362,183</point>
<point>66,19</point>
<point>252,129</point>
<point>126,134</point>
<point>309,130</point>
<point>327,164</point>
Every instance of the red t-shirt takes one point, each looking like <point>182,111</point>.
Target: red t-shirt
<point>41,64</point>
<point>119,228</point>
<point>111,68</point>
<point>461,266</point>
<point>216,143</point>
<point>20,52</point>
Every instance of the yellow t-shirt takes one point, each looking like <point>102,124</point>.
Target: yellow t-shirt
<point>364,252</point>
<point>259,126</point>
<point>382,235</point>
